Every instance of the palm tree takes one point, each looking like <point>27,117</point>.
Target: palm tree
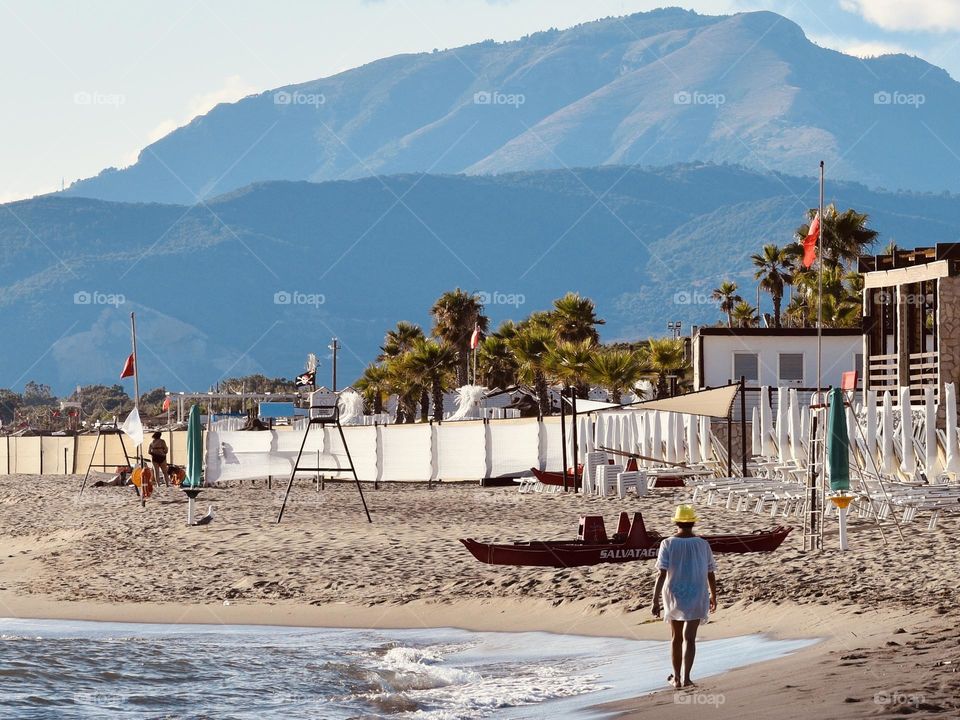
<point>744,314</point>
<point>404,383</point>
<point>727,296</point>
<point>662,357</point>
<point>574,319</point>
<point>845,235</point>
<point>455,315</point>
<point>530,347</point>
<point>570,363</point>
<point>507,329</point>
<point>400,340</point>
<point>773,272</point>
<point>797,312</point>
<point>496,363</point>
<point>433,362</point>
<point>616,370</point>
<point>373,386</point>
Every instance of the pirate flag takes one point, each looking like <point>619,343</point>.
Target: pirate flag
<point>307,378</point>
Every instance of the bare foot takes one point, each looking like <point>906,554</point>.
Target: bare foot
<point>689,683</point>
<point>675,683</point>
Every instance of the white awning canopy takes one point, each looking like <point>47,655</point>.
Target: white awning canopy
<point>715,402</point>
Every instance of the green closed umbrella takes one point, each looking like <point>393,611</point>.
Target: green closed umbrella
<point>194,477</point>
<point>838,443</point>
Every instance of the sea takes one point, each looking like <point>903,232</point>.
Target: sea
<point>60,670</point>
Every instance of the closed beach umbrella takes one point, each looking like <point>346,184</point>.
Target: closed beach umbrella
<point>599,426</point>
<point>194,476</point>
<point>706,451</point>
<point>671,437</point>
<point>693,447</point>
<point>611,432</point>
<point>886,439</point>
<point>583,438</point>
<point>838,456</point>
<point>656,447</point>
<point>766,423</point>
<point>908,457</point>
<point>931,454</point>
<point>838,443</point>
<point>796,431</point>
<point>643,432</point>
<point>871,430</point>
<point>756,444</point>
<point>783,436</point>
<point>852,432</point>
<point>631,422</point>
<point>952,449</point>
<point>805,422</point>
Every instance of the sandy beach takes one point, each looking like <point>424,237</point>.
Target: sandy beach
<point>885,614</point>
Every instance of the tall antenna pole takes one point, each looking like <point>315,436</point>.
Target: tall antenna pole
<point>335,345</point>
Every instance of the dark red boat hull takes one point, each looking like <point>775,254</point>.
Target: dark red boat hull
<point>551,477</point>
<point>640,546</point>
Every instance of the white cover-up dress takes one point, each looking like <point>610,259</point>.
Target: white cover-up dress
<point>686,594</point>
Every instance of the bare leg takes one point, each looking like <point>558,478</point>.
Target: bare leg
<point>676,629</point>
<point>690,651</point>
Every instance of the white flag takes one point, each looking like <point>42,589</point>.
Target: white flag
<point>132,427</point>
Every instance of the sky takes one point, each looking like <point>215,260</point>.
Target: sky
<point>87,85</point>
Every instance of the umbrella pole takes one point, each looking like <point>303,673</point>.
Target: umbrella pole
<point>563,435</point>
<point>573,404</point>
<point>743,425</point>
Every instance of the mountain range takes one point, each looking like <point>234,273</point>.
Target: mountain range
<point>253,280</point>
<point>650,89</point>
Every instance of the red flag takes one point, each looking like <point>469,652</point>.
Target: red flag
<point>475,338</point>
<point>810,242</point>
<point>127,368</point>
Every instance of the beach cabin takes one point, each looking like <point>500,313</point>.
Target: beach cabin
<point>772,357</point>
<point>911,318</point>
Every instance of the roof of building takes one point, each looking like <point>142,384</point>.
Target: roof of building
<point>779,332</point>
<point>910,258</point>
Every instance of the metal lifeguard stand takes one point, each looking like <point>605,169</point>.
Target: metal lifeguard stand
<point>101,431</point>
<point>324,410</point>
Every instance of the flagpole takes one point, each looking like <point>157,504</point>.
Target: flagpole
<point>136,400</point>
<point>820,287</point>
<point>136,364</point>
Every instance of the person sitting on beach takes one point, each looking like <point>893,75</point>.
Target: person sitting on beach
<point>118,480</point>
<point>158,454</point>
<point>687,572</point>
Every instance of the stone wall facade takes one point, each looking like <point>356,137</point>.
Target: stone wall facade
<point>948,336</point>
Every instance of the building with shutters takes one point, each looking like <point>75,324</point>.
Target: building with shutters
<point>774,357</point>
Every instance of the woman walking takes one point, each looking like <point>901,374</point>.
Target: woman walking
<point>688,586</point>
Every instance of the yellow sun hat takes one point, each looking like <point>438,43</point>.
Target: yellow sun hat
<point>685,514</point>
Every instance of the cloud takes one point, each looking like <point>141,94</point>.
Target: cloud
<point>931,15</point>
<point>860,48</point>
<point>234,88</point>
